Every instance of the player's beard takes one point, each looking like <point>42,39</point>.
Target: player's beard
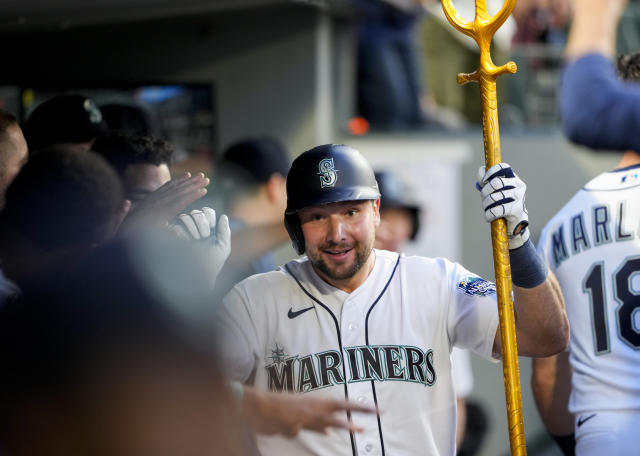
<point>362,251</point>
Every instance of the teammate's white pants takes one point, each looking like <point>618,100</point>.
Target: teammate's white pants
<point>607,433</point>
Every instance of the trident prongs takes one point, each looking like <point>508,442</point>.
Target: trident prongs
<point>482,29</point>
<point>456,20</point>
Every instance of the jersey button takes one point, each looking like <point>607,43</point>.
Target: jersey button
<point>368,448</point>
<point>352,326</point>
<point>362,399</point>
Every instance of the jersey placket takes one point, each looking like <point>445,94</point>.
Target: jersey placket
<point>352,327</point>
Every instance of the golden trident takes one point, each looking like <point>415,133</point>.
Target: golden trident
<point>482,30</point>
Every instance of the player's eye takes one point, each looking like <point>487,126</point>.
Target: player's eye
<point>316,217</point>
<point>352,212</point>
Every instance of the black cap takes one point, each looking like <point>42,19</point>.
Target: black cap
<point>68,118</point>
<point>257,158</point>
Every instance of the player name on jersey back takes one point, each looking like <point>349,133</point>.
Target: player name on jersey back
<point>593,246</point>
<point>607,219</point>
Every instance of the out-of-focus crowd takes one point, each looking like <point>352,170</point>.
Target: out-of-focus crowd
<point>408,56</point>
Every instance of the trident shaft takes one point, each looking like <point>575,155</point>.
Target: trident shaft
<point>482,30</point>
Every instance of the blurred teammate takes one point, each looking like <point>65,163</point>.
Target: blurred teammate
<point>252,179</point>
<point>399,215</point>
<point>131,118</point>
<point>349,321</point>
<point>63,203</point>
<point>99,363</point>
<point>142,162</point>
<point>598,110</point>
<point>13,151</point>
<point>152,197</point>
<point>592,245</point>
<point>71,119</point>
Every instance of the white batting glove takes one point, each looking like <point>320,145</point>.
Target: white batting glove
<point>503,195</point>
<point>201,225</point>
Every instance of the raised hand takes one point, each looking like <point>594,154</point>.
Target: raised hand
<point>503,196</point>
<point>164,204</point>
<point>200,225</point>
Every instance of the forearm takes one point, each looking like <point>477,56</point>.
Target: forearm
<point>258,411</point>
<point>461,418</point>
<point>542,327</point>
<point>598,110</point>
<point>594,27</point>
<point>551,385</point>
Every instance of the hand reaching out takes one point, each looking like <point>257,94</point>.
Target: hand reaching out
<point>200,225</point>
<point>164,204</point>
<point>287,414</point>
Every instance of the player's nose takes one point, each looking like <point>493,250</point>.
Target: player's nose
<point>337,229</point>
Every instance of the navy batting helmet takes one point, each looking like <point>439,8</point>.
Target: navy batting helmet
<point>396,195</point>
<point>326,174</point>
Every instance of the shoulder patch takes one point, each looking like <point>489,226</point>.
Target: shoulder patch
<point>476,286</point>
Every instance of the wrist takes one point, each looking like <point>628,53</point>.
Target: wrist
<point>518,240</point>
<point>528,270</point>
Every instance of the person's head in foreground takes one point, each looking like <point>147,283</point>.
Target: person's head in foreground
<point>62,204</point>
<point>97,363</point>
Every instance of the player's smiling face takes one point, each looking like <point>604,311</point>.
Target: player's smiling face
<point>339,240</point>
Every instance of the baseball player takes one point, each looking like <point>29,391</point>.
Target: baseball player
<point>593,247</point>
<point>349,321</point>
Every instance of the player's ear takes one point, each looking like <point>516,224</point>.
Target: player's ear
<point>376,211</point>
<point>275,188</point>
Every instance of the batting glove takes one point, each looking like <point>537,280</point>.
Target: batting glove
<point>201,225</point>
<point>503,195</point>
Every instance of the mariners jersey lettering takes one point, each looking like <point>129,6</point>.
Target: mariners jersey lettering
<point>593,246</point>
<point>386,343</point>
<point>366,363</point>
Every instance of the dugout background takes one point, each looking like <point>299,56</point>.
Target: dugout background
<point>287,68</point>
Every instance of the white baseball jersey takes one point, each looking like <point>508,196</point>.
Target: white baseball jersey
<point>462,372</point>
<point>387,343</point>
<point>593,246</point>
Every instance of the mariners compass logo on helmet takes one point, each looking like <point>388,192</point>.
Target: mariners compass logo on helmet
<point>95,116</point>
<point>327,172</point>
